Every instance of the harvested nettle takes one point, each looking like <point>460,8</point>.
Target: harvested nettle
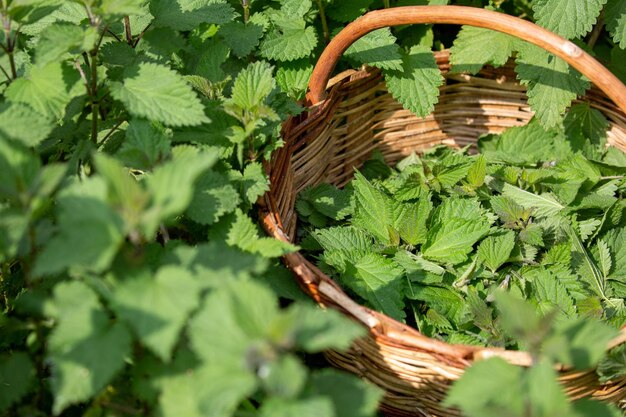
<point>521,246</point>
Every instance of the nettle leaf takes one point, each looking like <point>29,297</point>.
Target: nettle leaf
<point>252,86</point>
<point>60,38</point>
<point>604,258</point>
<point>583,122</point>
<point>476,173</point>
<point>293,77</point>
<point>410,220</point>
<point>157,93</point>
<point>295,8</point>
<point>342,388</point>
<point>346,239</point>
<point>343,11</point>
<point>214,196</point>
<point>145,146</point>
<point>378,49</point>
<point>417,85</point>
<point>90,231</point>
<point>543,205</point>
<point>613,364</point>
<point>17,374</point>
<point>241,38</point>
<point>188,14</point>
<point>285,377</point>
<point>244,234</point>
<point>122,7</point>
<point>616,241</point>
<point>255,183</point>
<point>374,212</point>
<point>21,123</point>
<point>47,89</point>
<point>494,251</point>
<point>288,42</point>
<point>157,307</point>
<point>475,47</point>
<point>327,200</point>
<point>552,83</point>
<point>568,18</point>
<point>85,349</point>
<point>307,407</point>
<point>550,291</point>
<point>378,280</point>
<point>615,17</point>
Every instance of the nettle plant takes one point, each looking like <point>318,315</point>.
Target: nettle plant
<point>134,280</point>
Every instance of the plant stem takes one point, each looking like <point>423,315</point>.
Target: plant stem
<point>597,30</point>
<point>127,31</point>
<point>110,132</point>
<point>386,4</point>
<point>10,46</point>
<point>94,98</point>
<point>246,11</point>
<point>320,7</point>
<point>134,45</point>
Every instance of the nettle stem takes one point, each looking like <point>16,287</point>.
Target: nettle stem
<point>10,46</point>
<point>597,30</point>
<point>246,10</point>
<point>320,7</point>
<point>386,4</point>
<point>127,31</point>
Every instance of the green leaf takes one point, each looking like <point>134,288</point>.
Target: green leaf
<point>347,11</point>
<point>157,93</point>
<point>293,77</point>
<point>476,173</point>
<point>213,390</point>
<point>509,211</point>
<point>145,146</point>
<point>254,182</point>
<point>295,8</point>
<point>374,210</point>
<point>616,241</point>
<point>243,233</point>
<point>17,374</point>
<point>546,396</point>
<point>252,86</point>
<point>378,280</point>
<point>583,122</point>
<point>349,241</point>
<point>494,251</point>
<point>474,47</point>
<point>519,318</point>
<point>342,388</point>
<point>60,38</point>
<point>410,220</point>
<point>317,330</point>
<point>214,196</point>
<point>417,85</point>
<point>450,242</point>
<point>86,350</point>
<point>443,300</point>
<point>479,393</point>
<point>308,407</point>
<point>552,84</point>
<point>120,8</point>
<point>188,14</point>
<point>241,38</point>
<point>550,290</point>
<point>613,364</point>
<point>377,49</point>
<point>289,42</point>
<point>579,342</point>
<point>157,307</point>
<point>568,18</point>
<point>284,377</point>
<point>604,258</point>
<point>23,124</point>
<point>90,231</point>
<point>172,185</point>
<point>327,200</point>
<point>615,17</point>
<point>47,89</point>
<point>543,205</point>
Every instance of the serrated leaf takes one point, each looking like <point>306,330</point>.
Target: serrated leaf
<point>47,89</point>
<point>252,86</point>
<point>616,241</point>
<point>410,220</point>
<point>474,47</point>
<point>494,251</point>
<point>243,233</point>
<point>85,349</point>
<point>568,18</point>
<point>604,258</point>
<point>477,171</point>
<point>583,122</point>
<point>374,210</point>
<point>613,364</point>
<point>188,14</point>
<point>241,38</point>
<point>157,307</point>
<point>377,49</point>
<point>543,205</point>
<point>293,77</point>
<point>146,144</point>
<point>444,300</point>
<point>327,200</point>
<point>451,241</point>
<point>378,280</point>
<point>615,17</point>
<point>254,181</point>
<point>549,289</point>
<point>119,8</point>
<point>213,197</point>
<point>23,124</point>
<point>17,373</point>
<point>417,85</point>
<point>157,93</point>
<point>295,8</point>
<point>552,84</point>
<point>289,43</point>
<point>342,388</point>
<point>60,38</point>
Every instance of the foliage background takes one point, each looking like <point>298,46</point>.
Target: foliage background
<point>134,278</point>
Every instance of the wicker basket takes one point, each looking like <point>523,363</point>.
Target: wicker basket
<point>353,114</point>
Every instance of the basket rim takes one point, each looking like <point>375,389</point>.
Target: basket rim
<point>327,293</point>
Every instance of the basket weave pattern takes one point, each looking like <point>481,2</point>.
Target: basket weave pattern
<point>338,135</point>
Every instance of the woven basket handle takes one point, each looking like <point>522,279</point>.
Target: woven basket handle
<point>461,15</point>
